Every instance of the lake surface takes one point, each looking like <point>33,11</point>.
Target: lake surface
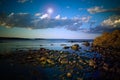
<point>7,46</point>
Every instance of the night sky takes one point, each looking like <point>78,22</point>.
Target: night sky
<point>68,19</point>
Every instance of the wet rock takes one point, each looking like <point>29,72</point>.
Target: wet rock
<point>86,43</point>
<point>92,63</point>
<point>50,61</point>
<point>63,45</point>
<point>64,61</point>
<point>79,78</point>
<point>29,57</point>
<point>51,44</point>
<point>43,59</point>
<point>105,66</point>
<point>66,47</point>
<point>69,75</point>
<point>41,45</point>
<point>75,47</point>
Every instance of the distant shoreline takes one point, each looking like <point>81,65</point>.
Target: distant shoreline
<point>19,38</point>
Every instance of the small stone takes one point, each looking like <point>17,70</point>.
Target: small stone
<point>92,63</point>
<point>69,75</point>
<point>50,61</point>
<point>64,61</point>
<point>79,78</point>
<point>43,59</point>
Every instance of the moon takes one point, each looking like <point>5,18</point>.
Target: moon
<point>50,10</point>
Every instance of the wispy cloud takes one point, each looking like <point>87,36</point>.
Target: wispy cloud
<point>38,14</point>
<point>86,19</point>
<point>23,1</point>
<point>98,9</point>
<point>68,7</point>
<point>80,9</point>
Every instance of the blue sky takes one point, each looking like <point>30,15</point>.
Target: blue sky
<point>71,19</point>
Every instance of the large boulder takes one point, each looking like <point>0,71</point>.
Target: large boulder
<point>75,47</point>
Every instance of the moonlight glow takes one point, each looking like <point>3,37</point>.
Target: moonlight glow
<point>50,10</point>
<point>65,19</point>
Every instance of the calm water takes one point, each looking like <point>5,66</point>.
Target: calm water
<point>6,46</point>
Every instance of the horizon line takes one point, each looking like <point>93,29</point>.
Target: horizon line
<point>39,38</point>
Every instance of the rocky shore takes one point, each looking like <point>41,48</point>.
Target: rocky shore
<point>46,64</point>
<point>108,45</point>
<point>62,65</point>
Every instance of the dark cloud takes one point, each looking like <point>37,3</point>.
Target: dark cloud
<point>25,20</point>
<point>74,26</point>
<point>108,25</point>
<point>16,20</point>
<point>101,29</point>
<point>23,1</point>
<point>98,9</point>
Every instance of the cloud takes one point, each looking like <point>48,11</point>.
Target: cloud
<point>64,18</point>
<point>108,25</point>
<point>42,21</point>
<point>23,1</point>
<point>67,7</point>
<point>44,16</point>
<point>57,17</point>
<point>98,9</point>
<point>86,19</point>
<point>38,14</point>
<point>113,21</point>
<point>13,20</point>
<point>101,29</point>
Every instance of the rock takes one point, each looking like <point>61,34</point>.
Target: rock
<point>66,47</point>
<point>92,63</point>
<point>50,61</point>
<point>86,43</point>
<point>63,45</point>
<point>69,74</point>
<point>105,66</point>
<point>43,59</point>
<point>51,44</point>
<point>64,61</point>
<point>41,45</point>
<point>75,47</point>
<point>29,57</point>
<point>79,78</point>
